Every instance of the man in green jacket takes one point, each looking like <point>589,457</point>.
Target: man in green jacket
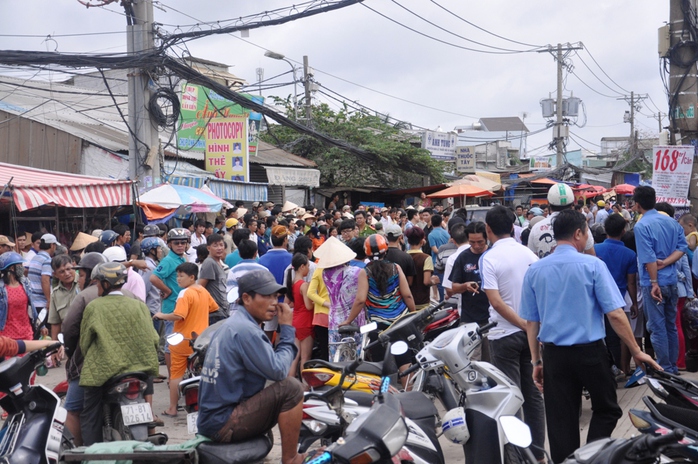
<point>116,337</point>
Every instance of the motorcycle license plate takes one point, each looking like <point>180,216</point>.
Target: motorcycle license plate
<point>192,417</point>
<point>138,413</point>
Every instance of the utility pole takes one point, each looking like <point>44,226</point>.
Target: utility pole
<point>144,147</point>
<point>306,83</point>
<point>560,130</point>
<point>634,102</point>
<point>683,97</point>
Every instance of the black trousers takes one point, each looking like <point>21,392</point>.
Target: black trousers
<point>566,371</point>
<point>322,347</point>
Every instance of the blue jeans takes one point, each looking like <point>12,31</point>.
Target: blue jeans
<point>661,323</point>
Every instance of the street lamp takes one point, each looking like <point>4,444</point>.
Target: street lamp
<point>279,56</point>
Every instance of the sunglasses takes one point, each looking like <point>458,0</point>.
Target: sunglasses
<point>179,242</point>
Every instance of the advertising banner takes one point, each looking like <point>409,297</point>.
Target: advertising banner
<point>199,105</point>
<point>226,148</point>
<point>548,162</point>
<point>442,145</point>
<point>671,173</point>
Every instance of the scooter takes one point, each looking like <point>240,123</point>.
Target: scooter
<point>488,398</point>
<point>34,431</point>
<point>643,449</point>
<point>328,414</point>
<point>674,390</point>
<point>382,433</point>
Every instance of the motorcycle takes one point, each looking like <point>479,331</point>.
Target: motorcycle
<point>643,449</point>
<point>674,390</point>
<point>412,328</point>
<point>328,414</point>
<point>489,400</point>
<point>34,431</point>
<point>382,433</point>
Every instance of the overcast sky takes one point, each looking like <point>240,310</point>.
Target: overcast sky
<point>374,57</point>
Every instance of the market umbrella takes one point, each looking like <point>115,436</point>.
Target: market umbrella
<point>478,181</point>
<point>461,190</point>
<point>168,199</point>
<point>624,189</point>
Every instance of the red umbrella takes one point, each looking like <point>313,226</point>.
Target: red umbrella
<point>461,190</point>
<point>624,189</point>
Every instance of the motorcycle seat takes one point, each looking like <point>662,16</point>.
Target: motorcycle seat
<point>373,368</point>
<point>252,450</point>
<point>686,417</point>
<point>350,329</point>
<point>120,378</point>
<point>416,405</point>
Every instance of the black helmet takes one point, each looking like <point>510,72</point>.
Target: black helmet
<point>178,233</point>
<point>151,230</point>
<point>90,260</point>
<point>114,273</point>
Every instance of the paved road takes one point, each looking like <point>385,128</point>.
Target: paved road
<point>176,428</point>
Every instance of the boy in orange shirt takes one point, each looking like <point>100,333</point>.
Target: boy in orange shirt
<point>190,315</point>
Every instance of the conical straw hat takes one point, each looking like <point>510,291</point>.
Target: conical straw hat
<point>333,253</point>
<point>81,241</point>
<point>288,206</point>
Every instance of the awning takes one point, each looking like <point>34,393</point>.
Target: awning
<point>33,187</point>
<point>226,189</point>
<point>293,177</point>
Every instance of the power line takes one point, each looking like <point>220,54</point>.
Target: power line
<point>602,70</point>
<point>587,141</point>
<point>594,74</point>
<point>591,88</point>
<point>53,36</point>
<point>439,40</point>
<point>450,32</point>
<point>483,29</point>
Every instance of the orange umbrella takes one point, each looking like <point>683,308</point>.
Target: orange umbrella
<point>624,189</point>
<point>461,190</point>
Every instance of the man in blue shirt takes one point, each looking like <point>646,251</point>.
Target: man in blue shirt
<point>234,405</point>
<point>622,264</point>
<point>276,260</point>
<point>660,244</point>
<point>437,237</point>
<point>564,298</point>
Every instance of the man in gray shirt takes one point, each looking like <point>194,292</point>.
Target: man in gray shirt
<point>212,276</point>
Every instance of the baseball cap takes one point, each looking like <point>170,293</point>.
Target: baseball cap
<point>536,211</point>
<point>5,241</point>
<point>601,203</point>
<point>261,281</point>
<point>49,238</point>
<point>279,231</point>
<point>230,223</point>
<point>393,230</point>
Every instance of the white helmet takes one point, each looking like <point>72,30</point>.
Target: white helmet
<point>560,195</point>
<point>115,253</point>
<point>454,426</point>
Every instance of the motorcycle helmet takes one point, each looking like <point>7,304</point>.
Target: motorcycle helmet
<point>178,233</point>
<point>151,230</point>
<point>90,260</point>
<point>454,426</point>
<point>9,258</point>
<point>115,254</point>
<point>108,237</point>
<point>114,273</point>
<point>152,243</point>
<point>560,195</point>
<point>375,246</point>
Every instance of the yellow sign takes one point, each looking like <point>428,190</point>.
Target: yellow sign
<point>227,149</point>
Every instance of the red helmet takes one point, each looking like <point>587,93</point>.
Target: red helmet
<point>375,246</point>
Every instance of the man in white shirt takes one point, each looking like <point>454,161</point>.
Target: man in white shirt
<point>385,218</point>
<point>603,213</point>
<point>503,269</point>
<point>460,238</point>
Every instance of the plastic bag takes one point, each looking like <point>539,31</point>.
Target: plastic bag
<point>690,318</point>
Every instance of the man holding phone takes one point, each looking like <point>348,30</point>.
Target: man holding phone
<point>465,278</point>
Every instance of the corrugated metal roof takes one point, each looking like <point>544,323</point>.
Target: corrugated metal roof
<point>92,116</point>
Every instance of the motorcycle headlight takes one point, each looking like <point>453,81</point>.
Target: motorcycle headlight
<point>396,437</point>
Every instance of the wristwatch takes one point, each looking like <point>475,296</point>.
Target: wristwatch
<point>537,363</point>
<point>653,281</point>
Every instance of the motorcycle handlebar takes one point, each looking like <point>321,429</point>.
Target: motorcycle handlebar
<point>408,371</point>
<point>53,347</point>
<point>486,328</point>
<point>655,443</point>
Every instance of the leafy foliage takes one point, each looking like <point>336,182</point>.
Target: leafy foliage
<point>395,162</point>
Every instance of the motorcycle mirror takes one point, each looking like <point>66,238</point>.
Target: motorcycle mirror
<point>233,295</point>
<point>389,364</point>
<point>61,338</point>
<point>175,338</point>
<point>516,431</point>
<point>368,328</point>
<point>42,370</point>
<point>398,348</point>
<point>42,316</point>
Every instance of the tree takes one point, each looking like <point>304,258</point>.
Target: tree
<point>392,162</point>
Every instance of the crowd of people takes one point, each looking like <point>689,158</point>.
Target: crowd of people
<point>560,275</point>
